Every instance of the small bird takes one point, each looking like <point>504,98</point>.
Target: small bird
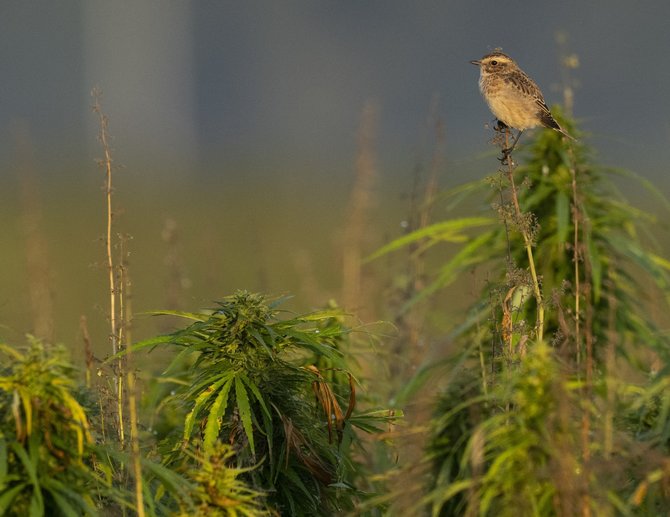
<point>512,96</point>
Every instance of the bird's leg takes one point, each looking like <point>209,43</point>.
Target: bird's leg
<point>507,151</point>
<point>515,141</point>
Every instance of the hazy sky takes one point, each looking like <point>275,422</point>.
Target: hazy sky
<point>259,81</point>
<point>274,90</point>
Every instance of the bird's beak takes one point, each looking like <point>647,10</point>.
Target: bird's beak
<point>476,62</point>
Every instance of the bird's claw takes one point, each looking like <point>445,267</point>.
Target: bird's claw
<point>506,158</point>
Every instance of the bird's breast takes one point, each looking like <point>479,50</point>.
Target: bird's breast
<point>509,104</point>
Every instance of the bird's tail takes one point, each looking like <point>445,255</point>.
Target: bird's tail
<point>548,120</point>
<point>565,133</point>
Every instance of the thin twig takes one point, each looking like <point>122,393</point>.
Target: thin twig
<point>131,385</point>
<point>88,351</point>
<point>527,241</point>
<point>106,164</point>
<point>360,203</point>
<point>576,216</point>
<point>121,337</point>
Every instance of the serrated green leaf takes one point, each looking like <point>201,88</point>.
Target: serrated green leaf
<point>36,508</point>
<point>539,195</point>
<point>294,477</point>
<point>457,194</point>
<point>59,488</point>
<point>11,352</point>
<point>172,481</point>
<point>450,231</point>
<point>307,341</point>
<point>320,315</point>
<point>7,497</point>
<point>31,469</point>
<point>244,409</point>
<point>267,416</point>
<point>217,410</point>
<point>200,401</point>
<point>141,345</point>
<point>659,261</point>
<point>256,392</point>
<point>439,498</point>
<point>642,258</point>
<point>648,185</point>
<point>259,339</point>
<point>478,250</point>
<point>195,316</point>
<point>64,507</point>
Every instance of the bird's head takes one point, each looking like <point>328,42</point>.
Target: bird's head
<point>495,63</point>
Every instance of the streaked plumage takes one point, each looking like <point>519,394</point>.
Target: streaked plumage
<point>511,95</point>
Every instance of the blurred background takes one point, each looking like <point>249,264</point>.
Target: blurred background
<point>257,142</point>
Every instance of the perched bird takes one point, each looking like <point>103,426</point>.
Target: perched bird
<point>512,96</point>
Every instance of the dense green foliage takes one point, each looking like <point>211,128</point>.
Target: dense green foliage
<point>47,460</point>
<point>262,430</point>
<point>577,422</point>
<point>553,401</point>
<point>253,384</point>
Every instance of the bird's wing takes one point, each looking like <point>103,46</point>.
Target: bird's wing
<point>545,115</point>
<point>523,83</point>
<point>548,120</point>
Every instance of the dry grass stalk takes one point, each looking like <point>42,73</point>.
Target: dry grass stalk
<point>299,446</point>
<point>576,257</point>
<point>125,306</point>
<point>359,205</point>
<point>409,322</point>
<point>106,164</point>
<point>611,375</point>
<point>119,310</point>
<point>114,335</point>
<point>410,325</point>
<point>525,232</point>
<point>89,358</point>
<point>120,317</point>
<point>331,407</point>
<point>177,279</point>
<point>40,289</point>
<point>309,285</point>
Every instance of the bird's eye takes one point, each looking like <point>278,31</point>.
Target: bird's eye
<point>494,62</point>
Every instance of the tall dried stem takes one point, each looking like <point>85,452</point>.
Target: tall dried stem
<point>40,287</point>
<point>610,379</point>
<point>576,216</point>
<point>125,306</point>
<point>588,342</point>
<point>409,322</point>
<point>417,256</point>
<point>88,351</point>
<point>528,242</point>
<point>582,289</point>
<point>360,203</point>
<point>106,164</point>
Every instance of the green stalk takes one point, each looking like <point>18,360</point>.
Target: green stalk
<point>528,245</point>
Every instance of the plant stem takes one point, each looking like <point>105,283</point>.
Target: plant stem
<point>360,203</point>
<point>127,315</point>
<point>575,258</point>
<point>114,336</point>
<point>107,164</point>
<point>527,243</point>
